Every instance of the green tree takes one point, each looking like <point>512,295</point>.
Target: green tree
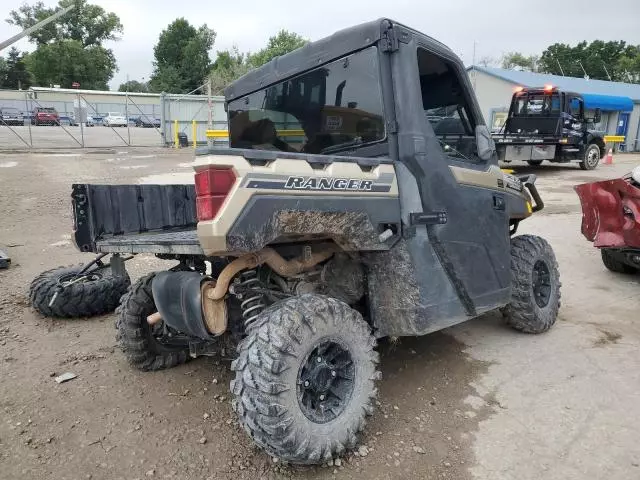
<point>513,60</point>
<point>86,23</point>
<point>3,72</point>
<point>17,76</point>
<point>134,86</point>
<point>182,60</point>
<point>229,65</point>
<point>281,43</point>
<point>70,48</point>
<point>232,64</point>
<point>66,61</point>
<point>613,60</point>
<point>628,68</point>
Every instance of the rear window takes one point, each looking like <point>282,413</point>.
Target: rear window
<point>537,104</point>
<point>330,109</point>
<point>47,110</point>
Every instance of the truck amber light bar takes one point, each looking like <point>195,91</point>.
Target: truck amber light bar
<point>212,187</point>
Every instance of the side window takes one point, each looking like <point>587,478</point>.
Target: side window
<point>576,107</point>
<point>445,106</point>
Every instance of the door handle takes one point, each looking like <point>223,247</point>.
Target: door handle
<point>498,202</point>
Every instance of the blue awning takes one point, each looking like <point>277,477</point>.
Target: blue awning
<point>607,102</point>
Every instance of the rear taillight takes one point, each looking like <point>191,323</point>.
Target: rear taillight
<point>212,187</point>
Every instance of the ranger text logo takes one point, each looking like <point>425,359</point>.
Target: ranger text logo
<point>328,183</point>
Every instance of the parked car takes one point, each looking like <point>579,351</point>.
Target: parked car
<point>10,116</point>
<point>114,120</point>
<point>611,220</point>
<point>90,121</point>
<point>147,122</point>
<point>68,120</point>
<point>45,116</point>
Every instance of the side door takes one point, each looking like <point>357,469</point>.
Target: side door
<point>576,125</point>
<point>464,206</point>
<point>622,128</point>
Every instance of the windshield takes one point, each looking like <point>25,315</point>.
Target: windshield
<point>536,104</point>
<point>332,108</point>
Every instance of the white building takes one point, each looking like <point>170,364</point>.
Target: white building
<point>619,102</point>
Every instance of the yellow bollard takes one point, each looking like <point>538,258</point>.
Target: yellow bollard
<point>175,134</point>
<point>194,131</point>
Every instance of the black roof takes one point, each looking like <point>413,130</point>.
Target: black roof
<point>317,53</point>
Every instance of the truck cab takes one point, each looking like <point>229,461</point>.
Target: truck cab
<point>547,123</point>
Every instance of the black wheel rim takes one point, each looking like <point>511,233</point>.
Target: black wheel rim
<point>541,283</point>
<point>325,382</point>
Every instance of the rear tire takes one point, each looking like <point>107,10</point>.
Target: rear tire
<point>591,157</point>
<point>534,163</point>
<point>136,336</point>
<point>97,295</point>
<point>614,264</point>
<point>535,287</point>
<point>295,408</point>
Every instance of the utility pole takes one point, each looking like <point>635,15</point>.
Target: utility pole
<point>473,65</point>
<point>605,70</point>
<point>35,27</point>
<point>586,77</point>
<point>559,66</point>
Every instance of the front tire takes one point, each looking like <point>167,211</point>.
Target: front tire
<point>97,294</point>
<point>305,379</point>
<point>139,340</point>
<point>612,263</point>
<point>535,285</point>
<point>591,157</point>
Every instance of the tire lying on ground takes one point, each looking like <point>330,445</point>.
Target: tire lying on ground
<point>97,294</point>
<point>535,285</point>
<point>304,378</point>
<point>143,344</point>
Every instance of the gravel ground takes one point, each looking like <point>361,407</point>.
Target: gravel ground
<point>476,401</point>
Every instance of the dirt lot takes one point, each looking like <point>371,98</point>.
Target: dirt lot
<point>477,401</point>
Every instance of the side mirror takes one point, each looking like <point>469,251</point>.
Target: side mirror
<point>484,143</point>
<point>597,116</point>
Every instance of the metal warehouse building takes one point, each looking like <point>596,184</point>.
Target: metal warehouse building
<point>619,102</point>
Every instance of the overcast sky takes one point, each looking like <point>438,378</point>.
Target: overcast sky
<point>496,26</point>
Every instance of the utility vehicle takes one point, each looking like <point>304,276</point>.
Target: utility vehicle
<point>361,198</point>
<point>549,124</point>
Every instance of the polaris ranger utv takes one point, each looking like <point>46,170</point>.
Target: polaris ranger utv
<point>549,124</point>
<point>361,198</point>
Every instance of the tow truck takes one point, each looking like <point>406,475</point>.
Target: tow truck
<point>545,123</point>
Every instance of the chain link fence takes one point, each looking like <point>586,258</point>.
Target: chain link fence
<point>51,118</point>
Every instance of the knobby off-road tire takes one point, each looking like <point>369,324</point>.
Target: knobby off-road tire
<point>614,264</point>
<point>535,285</point>
<point>269,389</point>
<point>96,295</point>
<point>591,157</point>
<point>135,335</point>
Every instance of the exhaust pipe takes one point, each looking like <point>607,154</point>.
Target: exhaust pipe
<point>201,311</point>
